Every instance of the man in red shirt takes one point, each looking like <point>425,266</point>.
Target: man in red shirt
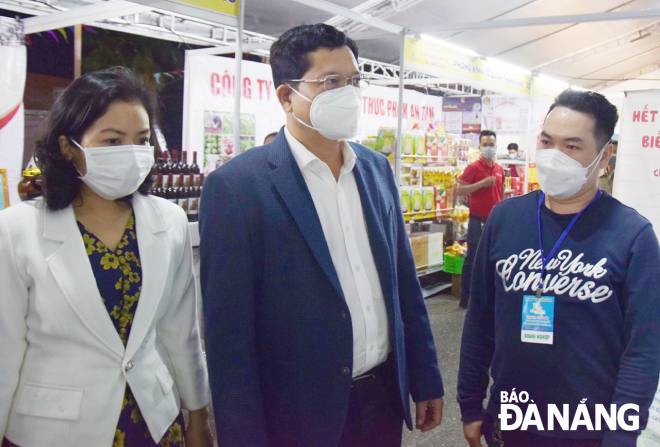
<point>483,182</point>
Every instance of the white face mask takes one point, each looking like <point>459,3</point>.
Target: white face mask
<point>488,152</point>
<point>560,175</point>
<point>114,172</point>
<point>335,113</point>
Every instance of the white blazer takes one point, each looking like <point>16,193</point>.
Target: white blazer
<point>63,367</point>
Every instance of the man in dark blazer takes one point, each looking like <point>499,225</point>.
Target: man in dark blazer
<point>316,329</point>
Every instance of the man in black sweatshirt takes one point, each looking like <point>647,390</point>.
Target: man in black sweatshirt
<point>565,308</point>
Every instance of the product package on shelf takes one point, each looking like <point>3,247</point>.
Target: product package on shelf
<point>407,148</point>
<point>420,248</point>
<point>435,249</point>
<point>419,145</point>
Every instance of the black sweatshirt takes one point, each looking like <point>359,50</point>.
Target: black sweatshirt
<point>606,284</point>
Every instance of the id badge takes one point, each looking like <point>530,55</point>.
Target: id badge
<point>538,319</point>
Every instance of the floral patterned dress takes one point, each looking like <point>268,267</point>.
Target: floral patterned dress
<point>118,276</point>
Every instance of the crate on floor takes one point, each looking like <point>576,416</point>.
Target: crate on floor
<point>453,264</point>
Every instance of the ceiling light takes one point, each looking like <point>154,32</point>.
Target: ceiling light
<point>505,66</point>
<point>451,46</point>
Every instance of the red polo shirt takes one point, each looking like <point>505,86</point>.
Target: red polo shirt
<point>484,200</point>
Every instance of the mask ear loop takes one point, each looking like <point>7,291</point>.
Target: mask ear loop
<point>597,160</point>
<point>82,149</point>
<point>300,121</point>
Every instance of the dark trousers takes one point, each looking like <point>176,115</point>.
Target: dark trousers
<point>475,228</point>
<point>375,417</point>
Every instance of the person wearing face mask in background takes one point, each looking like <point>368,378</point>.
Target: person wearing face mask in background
<point>483,182</point>
<point>512,148</point>
<point>99,334</point>
<point>565,299</point>
<point>316,329</point>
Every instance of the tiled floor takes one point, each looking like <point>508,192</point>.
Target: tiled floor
<point>447,324</point>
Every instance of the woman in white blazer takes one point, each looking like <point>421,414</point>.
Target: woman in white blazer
<point>99,336</point>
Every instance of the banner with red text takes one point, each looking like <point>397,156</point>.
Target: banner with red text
<point>209,104</point>
<point>12,84</point>
<point>637,174</point>
<point>208,125</point>
<point>379,109</point>
<point>637,184</point>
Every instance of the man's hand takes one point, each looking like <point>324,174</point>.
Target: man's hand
<point>199,432</point>
<point>488,181</point>
<point>429,414</point>
<point>472,433</point>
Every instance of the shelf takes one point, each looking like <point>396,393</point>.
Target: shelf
<point>416,213</point>
<point>430,270</point>
<point>428,292</point>
<point>427,165</point>
<point>505,161</point>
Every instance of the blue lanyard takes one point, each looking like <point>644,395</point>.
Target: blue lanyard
<point>555,248</point>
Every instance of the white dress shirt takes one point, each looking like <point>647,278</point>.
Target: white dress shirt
<point>339,208</point>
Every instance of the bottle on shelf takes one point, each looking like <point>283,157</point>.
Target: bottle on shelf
<point>171,191</point>
<point>193,203</point>
<point>176,168</point>
<point>160,162</point>
<point>167,163</point>
<point>194,167</point>
<point>182,193</point>
<point>194,170</point>
<point>157,186</point>
<point>184,167</point>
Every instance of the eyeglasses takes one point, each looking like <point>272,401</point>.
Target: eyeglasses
<point>332,82</point>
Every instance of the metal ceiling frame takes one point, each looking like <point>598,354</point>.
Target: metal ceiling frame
<point>359,17</point>
<point>154,23</point>
<point>143,19</point>
<point>382,9</point>
<point>84,14</point>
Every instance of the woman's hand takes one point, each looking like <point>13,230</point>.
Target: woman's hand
<point>199,432</point>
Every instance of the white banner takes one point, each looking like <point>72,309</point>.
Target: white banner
<point>506,114</point>
<point>209,105</point>
<point>379,109</point>
<point>637,174</point>
<point>637,184</point>
<point>12,84</point>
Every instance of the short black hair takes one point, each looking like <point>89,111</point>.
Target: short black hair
<point>487,133</point>
<point>270,135</point>
<point>594,104</point>
<point>289,54</point>
<point>83,102</point>
<point>512,146</point>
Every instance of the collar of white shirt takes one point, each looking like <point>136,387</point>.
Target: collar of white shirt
<point>306,159</point>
